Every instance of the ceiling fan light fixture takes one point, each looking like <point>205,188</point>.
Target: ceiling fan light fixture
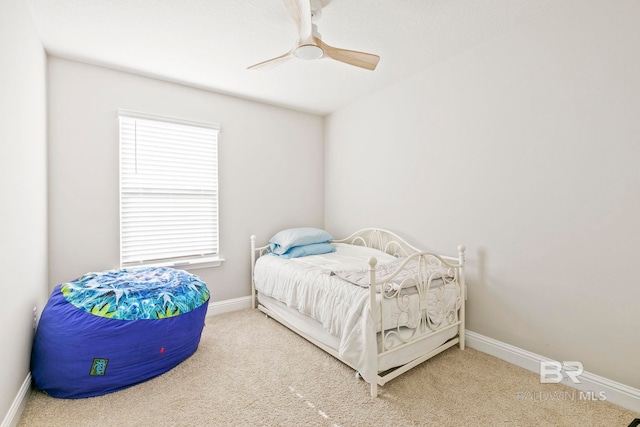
<point>309,52</point>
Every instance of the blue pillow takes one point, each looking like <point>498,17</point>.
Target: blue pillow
<point>286,239</point>
<point>304,250</point>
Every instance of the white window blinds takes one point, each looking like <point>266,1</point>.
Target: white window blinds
<point>168,191</point>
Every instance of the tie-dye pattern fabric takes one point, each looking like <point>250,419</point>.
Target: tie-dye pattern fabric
<point>137,293</point>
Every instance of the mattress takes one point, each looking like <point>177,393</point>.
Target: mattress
<point>309,286</point>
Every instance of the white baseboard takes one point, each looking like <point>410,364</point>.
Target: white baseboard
<point>15,411</point>
<point>219,307</point>
<point>617,393</point>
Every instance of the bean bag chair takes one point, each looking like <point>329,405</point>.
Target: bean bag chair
<point>107,331</point>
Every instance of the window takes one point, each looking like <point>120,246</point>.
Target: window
<point>168,191</point>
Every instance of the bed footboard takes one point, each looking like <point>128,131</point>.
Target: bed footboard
<point>439,285</point>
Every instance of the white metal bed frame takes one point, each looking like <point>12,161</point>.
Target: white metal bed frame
<point>395,337</point>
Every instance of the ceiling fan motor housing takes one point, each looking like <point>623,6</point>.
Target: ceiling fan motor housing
<point>309,52</point>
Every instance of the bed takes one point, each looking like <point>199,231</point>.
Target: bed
<point>372,300</point>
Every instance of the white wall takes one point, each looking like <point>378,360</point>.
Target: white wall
<point>527,150</point>
<point>270,169</point>
<point>23,197</point>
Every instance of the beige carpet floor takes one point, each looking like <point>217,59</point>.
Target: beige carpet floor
<point>252,371</point>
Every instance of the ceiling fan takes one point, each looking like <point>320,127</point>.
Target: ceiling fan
<point>310,45</point>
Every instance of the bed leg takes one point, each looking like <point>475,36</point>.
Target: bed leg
<point>463,295</point>
<point>253,262</point>
<point>374,389</point>
<point>462,327</point>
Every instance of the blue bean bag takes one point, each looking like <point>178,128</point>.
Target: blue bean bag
<point>107,331</point>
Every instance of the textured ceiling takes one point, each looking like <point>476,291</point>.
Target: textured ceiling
<point>209,43</point>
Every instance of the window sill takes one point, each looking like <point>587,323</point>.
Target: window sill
<point>193,264</point>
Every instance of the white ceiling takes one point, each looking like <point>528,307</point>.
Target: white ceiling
<point>209,43</point>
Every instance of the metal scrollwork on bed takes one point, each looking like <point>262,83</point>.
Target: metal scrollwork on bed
<point>410,325</point>
<point>382,240</point>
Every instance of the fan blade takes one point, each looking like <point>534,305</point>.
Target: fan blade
<point>270,63</point>
<point>364,60</point>
<point>300,13</point>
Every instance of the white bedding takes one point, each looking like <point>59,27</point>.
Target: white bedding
<point>341,307</point>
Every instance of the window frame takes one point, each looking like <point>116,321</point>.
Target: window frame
<point>190,261</point>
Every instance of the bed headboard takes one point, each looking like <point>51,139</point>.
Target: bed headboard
<point>380,239</point>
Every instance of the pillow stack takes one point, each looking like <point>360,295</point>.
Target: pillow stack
<point>299,242</point>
